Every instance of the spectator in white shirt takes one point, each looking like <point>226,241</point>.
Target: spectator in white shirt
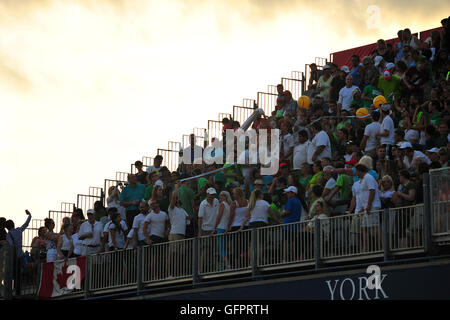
<point>257,211</point>
<point>157,161</point>
<point>159,225</point>
<point>301,150</point>
<point>207,213</point>
<point>370,140</point>
<point>178,217</point>
<point>387,130</point>
<point>221,225</point>
<point>412,157</point>
<point>346,95</point>
<point>91,235</point>
<point>130,243</point>
<point>138,224</point>
<point>117,233</point>
<point>320,144</point>
<point>286,141</point>
<point>370,204</point>
<point>77,243</point>
<point>113,200</point>
<point>65,243</point>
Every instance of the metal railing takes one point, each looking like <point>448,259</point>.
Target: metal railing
<point>134,169</point>
<point>351,235</point>
<point>122,176</point>
<point>406,228</point>
<point>171,158</point>
<point>295,86</point>
<point>58,216</point>
<point>267,102</point>
<point>285,244</point>
<point>241,114</point>
<point>108,184</point>
<point>114,269</point>
<point>147,161</point>
<point>440,202</point>
<point>224,252</point>
<point>86,201</point>
<point>247,103</point>
<point>167,261</point>
<point>31,232</point>
<point>215,129</point>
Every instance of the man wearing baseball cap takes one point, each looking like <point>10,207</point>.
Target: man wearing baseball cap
<point>91,232</point>
<point>411,156</point>
<point>387,130</point>
<point>292,213</point>
<point>207,213</point>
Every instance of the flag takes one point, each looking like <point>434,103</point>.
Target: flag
<point>60,277</point>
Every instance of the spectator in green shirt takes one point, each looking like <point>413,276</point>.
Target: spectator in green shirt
<point>370,91</point>
<point>390,86</point>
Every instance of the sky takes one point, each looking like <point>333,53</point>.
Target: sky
<point>88,87</point>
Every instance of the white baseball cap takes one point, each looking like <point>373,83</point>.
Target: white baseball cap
<point>159,183</point>
<point>390,66</point>
<point>291,189</point>
<point>433,150</point>
<point>345,69</point>
<point>377,60</point>
<point>211,191</point>
<point>91,211</point>
<point>406,145</point>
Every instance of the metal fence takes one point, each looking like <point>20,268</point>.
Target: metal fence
<point>267,102</point>
<point>222,115</point>
<point>134,170</point>
<point>241,114</point>
<point>58,216</point>
<point>214,130</point>
<point>440,202</point>
<point>224,252</point>
<point>351,235</point>
<point>113,269</point>
<point>147,161</point>
<point>5,271</point>
<point>285,244</point>
<point>295,86</point>
<point>31,232</point>
<point>199,140</point>
<point>171,158</point>
<point>122,176</point>
<point>406,230</point>
<point>248,103</point>
<point>167,261</point>
<point>108,184</point>
<point>86,201</point>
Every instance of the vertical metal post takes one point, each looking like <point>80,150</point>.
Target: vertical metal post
<point>8,275</point>
<point>87,278</point>
<point>427,212</point>
<point>139,269</point>
<point>317,251</point>
<point>254,239</point>
<point>195,255</point>
<point>385,234</point>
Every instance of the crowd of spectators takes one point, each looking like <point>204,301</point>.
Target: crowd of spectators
<point>332,161</point>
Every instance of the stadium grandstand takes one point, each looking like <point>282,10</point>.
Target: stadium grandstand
<point>363,179</point>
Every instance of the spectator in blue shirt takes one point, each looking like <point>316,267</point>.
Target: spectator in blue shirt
<point>291,214</point>
<point>14,236</point>
<point>130,198</point>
